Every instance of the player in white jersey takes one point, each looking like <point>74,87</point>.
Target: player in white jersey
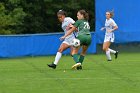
<point>66,22</point>
<point>110,27</point>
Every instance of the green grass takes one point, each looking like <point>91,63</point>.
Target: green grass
<point>31,75</point>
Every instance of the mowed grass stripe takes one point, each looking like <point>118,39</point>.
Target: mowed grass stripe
<point>31,75</point>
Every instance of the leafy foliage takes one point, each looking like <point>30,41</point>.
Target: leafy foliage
<point>38,16</point>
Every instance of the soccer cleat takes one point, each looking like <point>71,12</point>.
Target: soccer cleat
<point>116,54</point>
<point>79,68</point>
<point>52,66</point>
<point>109,60</point>
<point>76,65</point>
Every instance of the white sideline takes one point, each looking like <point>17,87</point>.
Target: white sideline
<point>83,78</point>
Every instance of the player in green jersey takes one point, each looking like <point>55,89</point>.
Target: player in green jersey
<point>83,35</point>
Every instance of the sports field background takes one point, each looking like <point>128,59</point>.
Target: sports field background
<point>31,75</point>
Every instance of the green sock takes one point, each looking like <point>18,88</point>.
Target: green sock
<point>81,59</point>
<point>75,58</point>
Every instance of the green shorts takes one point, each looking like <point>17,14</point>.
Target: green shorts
<point>84,39</point>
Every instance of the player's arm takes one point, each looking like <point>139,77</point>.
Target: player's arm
<point>115,27</point>
<point>102,28</point>
<point>71,23</point>
<point>73,28</point>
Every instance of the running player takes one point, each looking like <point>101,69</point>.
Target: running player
<point>110,27</point>
<point>66,22</point>
<point>83,35</point>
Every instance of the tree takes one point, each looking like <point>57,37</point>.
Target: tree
<point>71,6</point>
<point>10,17</point>
<point>39,16</point>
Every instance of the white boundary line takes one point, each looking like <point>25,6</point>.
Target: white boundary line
<point>83,78</point>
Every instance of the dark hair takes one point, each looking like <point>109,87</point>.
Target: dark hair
<point>84,13</point>
<point>61,12</point>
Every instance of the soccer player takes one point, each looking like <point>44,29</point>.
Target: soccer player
<point>83,35</point>
<point>110,27</point>
<point>66,21</point>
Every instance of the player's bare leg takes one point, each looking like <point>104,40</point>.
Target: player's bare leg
<point>83,53</point>
<point>63,47</point>
<point>75,57</point>
<point>82,56</point>
<point>106,46</point>
<point>71,50</point>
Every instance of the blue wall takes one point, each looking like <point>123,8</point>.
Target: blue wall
<point>126,16</point>
<point>34,45</point>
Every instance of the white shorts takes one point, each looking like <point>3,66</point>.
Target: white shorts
<point>68,41</point>
<point>109,38</point>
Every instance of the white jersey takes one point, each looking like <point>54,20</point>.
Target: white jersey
<point>65,24</point>
<point>109,24</point>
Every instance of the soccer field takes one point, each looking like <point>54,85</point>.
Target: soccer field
<point>31,75</point>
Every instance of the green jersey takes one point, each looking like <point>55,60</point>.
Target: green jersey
<point>83,27</point>
<point>83,32</point>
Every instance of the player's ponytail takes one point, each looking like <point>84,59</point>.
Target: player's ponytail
<point>61,12</point>
<point>111,13</point>
<point>85,14</point>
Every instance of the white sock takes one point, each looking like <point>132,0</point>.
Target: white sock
<point>108,55</point>
<point>57,58</point>
<point>112,51</point>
